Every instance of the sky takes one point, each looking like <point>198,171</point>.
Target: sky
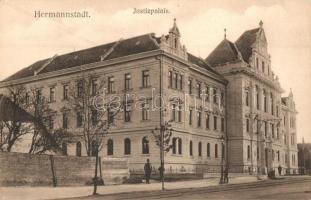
<point>25,39</point>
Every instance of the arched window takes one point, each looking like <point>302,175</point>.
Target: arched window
<point>93,148</point>
<point>174,140</point>
<point>190,148</point>
<point>216,150</point>
<point>78,149</point>
<point>64,148</point>
<point>110,147</point>
<point>208,149</point>
<point>127,146</point>
<point>179,146</point>
<point>145,145</point>
<point>200,148</point>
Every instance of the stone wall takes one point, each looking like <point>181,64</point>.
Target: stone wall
<point>26,169</point>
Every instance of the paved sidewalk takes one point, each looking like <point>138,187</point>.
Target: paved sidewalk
<point>25,193</point>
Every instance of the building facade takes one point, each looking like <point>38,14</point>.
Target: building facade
<point>222,110</point>
<point>260,137</point>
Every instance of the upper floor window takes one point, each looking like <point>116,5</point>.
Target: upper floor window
<point>78,149</point>
<point>248,152</point>
<point>263,66</point>
<point>65,120</point>
<point>190,86</point>
<point>127,113</point>
<point>94,117</point>
<point>222,124</point>
<point>170,79</point>
<point>65,91</point>
<point>111,84</point>
<point>94,87</point>
<point>272,103</point>
<point>247,125</point>
<point>247,98</point>
<point>207,92</point>
<point>174,112</point>
<point>208,149</point>
<point>207,123</point>
<point>190,116</point>
<point>214,95</point>
<point>79,119</point>
<point>79,88</point>
<point>110,116</point>
<point>257,63</point>
<point>175,80</point>
<point>181,78</point>
<point>52,94</point>
<point>146,78</point>
<point>264,100</point>
<point>199,115</point>
<point>64,148</point>
<point>257,98</point>
<point>145,145</point>
<point>179,113</point>
<point>39,96</point>
<point>200,149</point>
<point>190,148</point>
<point>215,122</point>
<point>216,150</point>
<point>199,89</point>
<point>110,147</point>
<point>127,81</point>
<point>145,111</point>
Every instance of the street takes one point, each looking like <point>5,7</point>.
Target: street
<point>271,189</point>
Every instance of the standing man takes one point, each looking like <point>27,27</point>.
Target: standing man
<point>148,170</point>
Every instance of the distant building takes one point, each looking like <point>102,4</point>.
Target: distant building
<point>233,94</point>
<point>304,158</point>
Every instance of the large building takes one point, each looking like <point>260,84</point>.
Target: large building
<point>260,123</point>
<point>222,110</point>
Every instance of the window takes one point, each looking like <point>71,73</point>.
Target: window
<point>266,129</point>
<point>64,148</point>
<point>272,130</point>
<point>215,122</point>
<point>93,148</point>
<point>111,84</point>
<point>272,154</point>
<point>94,87</point>
<point>223,151</point>
<point>222,98</point>
<point>175,80</point>
<point>127,146</point>
<point>174,141</point>
<point>65,91</point>
<point>200,149</point>
<point>173,112</point>
<point>181,82</point>
<point>223,124</point>
<point>199,118</point>
<point>257,63</point>
<point>264,100</point>
<point>79,119</point>
<point>208,149</point>
<point>248,152</point>
<point>216,150</point>
<point>94,117</point>
<point>27,97</point>
<point>190,116</point>
<point>38,96</point>
<point>190,86</point>
<point>145,145</point>
<point>278,132</point>
<point>51,122</point>
<point>179,146</point>
<point>257,98</point>
<point>145,111</point>
<point>179,113</point>
<point>246,98</point>
<point>78,149</point>
<point>215,95</point>
<point>127,113</point>
<point>263,66</point>
<point>52,94</point>
<point>247,125</point>
<point>190,148</point>
<point>110,147</point>
<point>79,89</point>
<point>110,116</point>
<point>65,120</point>
<point>199,89</point>
<point>207,93</point>
<point>207,123</point>
<point>272,102</point>
<point>170,79</point>
<point>258,153</point>
<point>278,155</point>
<point>127,81</point>
<point>146,78</point>
<point>277,111</point>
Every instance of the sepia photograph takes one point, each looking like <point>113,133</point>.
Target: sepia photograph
<point>157,99</point>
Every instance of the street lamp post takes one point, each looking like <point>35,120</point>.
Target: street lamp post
<point>221,181</point>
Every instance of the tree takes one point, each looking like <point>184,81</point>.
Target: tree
<point>96,112</point>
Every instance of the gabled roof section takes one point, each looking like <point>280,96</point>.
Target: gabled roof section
<point>245,42</point>
<point>202,63</point>
<point>108,51</point>
<point>225,52</point>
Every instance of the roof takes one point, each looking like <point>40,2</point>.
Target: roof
<point>223,53</point>
<point>245,41</point>
<point>227,51</point>
<point>139,44</point>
